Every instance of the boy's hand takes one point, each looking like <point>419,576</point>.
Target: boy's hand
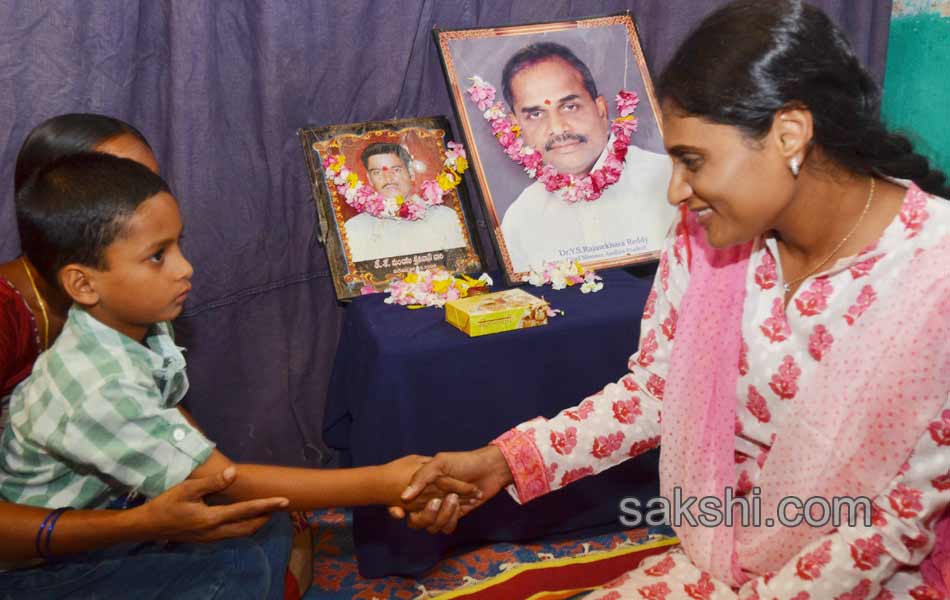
<point>181,515</point>
<point>398,473</point>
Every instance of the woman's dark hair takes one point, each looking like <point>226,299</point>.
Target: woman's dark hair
<point>66,135</point>
<point>751,58</point>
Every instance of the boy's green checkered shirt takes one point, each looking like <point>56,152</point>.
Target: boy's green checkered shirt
<point>97,419</point>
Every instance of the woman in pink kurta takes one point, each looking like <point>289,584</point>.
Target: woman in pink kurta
<point>795,340</point>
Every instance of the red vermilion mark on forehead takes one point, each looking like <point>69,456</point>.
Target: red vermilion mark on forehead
<point>385,168</point>
<point>548,102</point>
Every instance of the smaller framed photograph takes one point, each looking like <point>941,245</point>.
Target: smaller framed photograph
<point>565,139</point>
<point>389,200</point>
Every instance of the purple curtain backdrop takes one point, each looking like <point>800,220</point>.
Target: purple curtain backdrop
<point>219,88</point>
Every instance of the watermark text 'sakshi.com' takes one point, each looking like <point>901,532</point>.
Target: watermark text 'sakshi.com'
<point>744,511</point>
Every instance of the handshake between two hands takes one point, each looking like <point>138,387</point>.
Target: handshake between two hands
<point>434,493</point>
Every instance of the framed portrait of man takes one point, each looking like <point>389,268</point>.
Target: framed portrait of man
<point>565,140</point>
<point>389,200</point>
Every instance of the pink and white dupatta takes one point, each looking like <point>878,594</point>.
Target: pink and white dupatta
<point>851,426</point>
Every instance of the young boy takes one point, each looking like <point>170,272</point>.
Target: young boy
<point>98,418</point>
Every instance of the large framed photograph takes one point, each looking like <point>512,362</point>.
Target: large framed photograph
<point>565,139</point>
<point>389,201</point>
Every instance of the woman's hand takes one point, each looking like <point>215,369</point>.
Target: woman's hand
<point>485,467</point>
<point>398,474</point>
<point>181,515</point>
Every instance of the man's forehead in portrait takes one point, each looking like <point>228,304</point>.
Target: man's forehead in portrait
<point>534,54</point>
<point>389,167</point>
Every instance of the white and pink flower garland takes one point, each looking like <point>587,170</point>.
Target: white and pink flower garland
<point>431,287</point>
<point>364,198</point>
<point>565,273</point>
<point>572,188</point>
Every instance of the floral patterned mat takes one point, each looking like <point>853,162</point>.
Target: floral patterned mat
<point>336,575</point>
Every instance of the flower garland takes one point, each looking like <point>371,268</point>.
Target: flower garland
<point>431,287</point>
<point>572,188</point>
<point>364,198</point>
<point>564,274</point>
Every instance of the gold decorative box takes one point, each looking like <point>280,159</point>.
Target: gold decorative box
<point>497,312</point>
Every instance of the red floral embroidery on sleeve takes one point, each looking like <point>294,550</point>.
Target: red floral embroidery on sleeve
<point>642,446</point>
<point>914,212</point>
<point>940,430</point>
<point>860,591</point>
<point>647,348</point>
<point>679,245</point>
<point>905,501</point>
<point>815,299</point>
<point>669,325</point>
<point>925,592</point>
<point>942,483</point>
<point>757,406</point>
<point>583,411</point>
<point>605,445</point>
<point>563,443</point>
<point>649,309</point>
<point>575,474</point>
<point>627,411</point>
<point>884,595</point>
<point>915,543</point>
<point>865,299</point>
<point>665,272</point>
<point>809,566</point>
<point>617,582</point>
<point>863,268</point>
<point>630,383</point>
<point>765,273</point>
<point>878,516</point>
<point>702,589</point>
<point>743,358</point>
<point>801,596</point>
<point>614,595</point>
<point>820,342</point>
<point>776,327</point>
<point>550,471</point>
<point>784,383</point>
<point>661,568</point>
<point>867,553</point>
<point>657,591</point>
<point>527,466</point>
<point>656,385</point>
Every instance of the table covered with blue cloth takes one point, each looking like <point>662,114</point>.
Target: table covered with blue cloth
<point>407,382</point>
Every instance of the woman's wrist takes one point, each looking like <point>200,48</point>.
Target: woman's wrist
<point>499,465</point>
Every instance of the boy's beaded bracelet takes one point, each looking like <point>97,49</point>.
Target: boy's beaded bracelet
<point>46,528</point>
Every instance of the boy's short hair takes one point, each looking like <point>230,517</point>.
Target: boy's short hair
<point>72,209</point>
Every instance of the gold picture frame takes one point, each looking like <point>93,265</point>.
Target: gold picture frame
<point>609,48</point>
<point>366,252</point>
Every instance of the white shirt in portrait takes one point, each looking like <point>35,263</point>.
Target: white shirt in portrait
<point>373,237</point>
<point>630,217</point>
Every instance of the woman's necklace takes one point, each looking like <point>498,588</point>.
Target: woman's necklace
<point>39,301</point>
<point>788,284</point>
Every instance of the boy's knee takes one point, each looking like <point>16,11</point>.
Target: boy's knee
<point>249,575</point>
